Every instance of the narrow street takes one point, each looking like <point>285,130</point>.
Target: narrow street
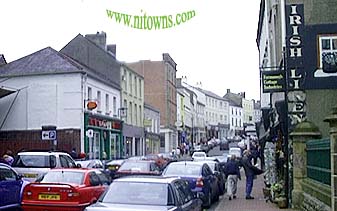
<point>240,203</point>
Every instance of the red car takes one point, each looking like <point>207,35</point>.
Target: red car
<point>65,189</point>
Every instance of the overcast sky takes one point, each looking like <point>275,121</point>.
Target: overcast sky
<point>216,47</point>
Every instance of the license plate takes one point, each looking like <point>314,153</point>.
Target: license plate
<point>112,167</point>
<point>30,175</point>
<point>49,197</point>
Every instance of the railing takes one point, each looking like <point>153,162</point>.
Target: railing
<point>318,160</point>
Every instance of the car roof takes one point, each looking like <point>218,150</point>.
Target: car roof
<point>42,153</point>
<point>73,169</point>
<point>186,163</point>
<point>206,161</point>
<point>147,179</point>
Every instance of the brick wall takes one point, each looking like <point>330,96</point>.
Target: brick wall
<point>18,140</point>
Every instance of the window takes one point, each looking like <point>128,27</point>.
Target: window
<point>140,88</point>
<point>328,53</point>
<point>130,83</point>
<point>124,80</point>
<point>135,85</point>
<point>130,112</point>
<point>140,115</point>
<point>136,116</point>
<point>107,109</point>
<point>114,104</point>
<point>99,101</point>
<point>89,93</point>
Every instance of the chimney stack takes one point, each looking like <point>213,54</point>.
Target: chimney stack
<point>228,91</point>
<point>2,60</point>
<point>98,38</point>
<point>112,49</point>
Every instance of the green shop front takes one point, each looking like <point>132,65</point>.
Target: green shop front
<point>103,137</point>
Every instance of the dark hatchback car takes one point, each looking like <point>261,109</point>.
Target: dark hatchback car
<point>201,179</point>
<point>153,193</point>
<point>11,187</point>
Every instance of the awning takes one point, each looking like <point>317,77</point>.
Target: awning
<point>5,92</point>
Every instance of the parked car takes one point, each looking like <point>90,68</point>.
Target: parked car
<point>112,166</point>
<point>145,193</point>
<point>11,187</point>
<point>200,177</point>
<point>138,167</point>
<point>94,163</point>
<point>234,151</point>
<point>65,189</point>
<point>218,172</point>
<point>200,148</point>
<point>199,156</point>
<point>224,144</point>
<point>32,164</point>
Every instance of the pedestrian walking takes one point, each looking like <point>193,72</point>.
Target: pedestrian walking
<point>8,157</point>
<point>73,153</point>
<point>232,172</point>
<point>250,171</point>
<point>254,152</point>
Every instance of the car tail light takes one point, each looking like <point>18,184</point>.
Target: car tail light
<point>200,182</point>
<point>28,194</point>
<point>74,194</point>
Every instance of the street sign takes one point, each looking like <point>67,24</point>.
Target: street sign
<point>48,135</point>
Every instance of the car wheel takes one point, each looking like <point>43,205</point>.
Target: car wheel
<point>209,199</point>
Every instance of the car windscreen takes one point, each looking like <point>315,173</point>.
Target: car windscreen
<point>35,161</point>
<point>198,155</point>
<point>135,166</point>
<point>137,193</point>
<point>62,177</point>
<point>182,170</point>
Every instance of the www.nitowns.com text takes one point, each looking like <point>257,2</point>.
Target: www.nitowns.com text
<point>150,22</point>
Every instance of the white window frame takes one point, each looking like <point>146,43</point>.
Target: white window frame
<point>321,51</point>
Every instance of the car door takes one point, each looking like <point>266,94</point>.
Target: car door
<point>96,186</point>
<point>210,179</point>
<point>185,196</point>
<point>10,187</point>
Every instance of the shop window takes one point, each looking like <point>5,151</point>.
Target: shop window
<point>328,53</point>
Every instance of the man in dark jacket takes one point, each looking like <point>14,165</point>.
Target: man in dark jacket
<point>232,172</point>
<point>250,172</point>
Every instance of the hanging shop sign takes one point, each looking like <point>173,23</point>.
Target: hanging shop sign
<point>272,81</point>
<point>91,105</point>
<point>294,63</point>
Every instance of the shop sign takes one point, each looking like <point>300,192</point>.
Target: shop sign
<point>147,122</point>
<point>272,81</point>
<point>294,63</point>
<point>109,124</point>
<point>91,105</point>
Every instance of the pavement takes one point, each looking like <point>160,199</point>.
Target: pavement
<point>241,204</point>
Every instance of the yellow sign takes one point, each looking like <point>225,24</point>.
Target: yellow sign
<point>147,122</point>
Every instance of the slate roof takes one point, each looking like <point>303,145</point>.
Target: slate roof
<point>45,61</point>
<point>211,94</point>
<point>90,55</point>
<point>234,99</point>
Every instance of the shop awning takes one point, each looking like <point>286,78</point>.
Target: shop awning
<point>5,92</point>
